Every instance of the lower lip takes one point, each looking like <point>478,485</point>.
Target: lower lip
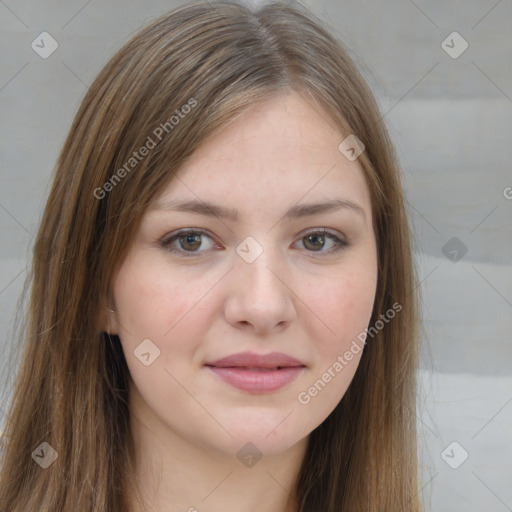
<point>257,381</point>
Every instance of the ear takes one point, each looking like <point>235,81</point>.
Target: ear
<point>107,317</point>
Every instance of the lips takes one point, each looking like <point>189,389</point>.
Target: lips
<point>252,360</point>
<point>257,373</point>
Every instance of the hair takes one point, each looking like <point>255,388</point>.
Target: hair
<point>71,389</point>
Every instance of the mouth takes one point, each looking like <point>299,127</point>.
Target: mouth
<point>257,373</point>
<point>254,368</point>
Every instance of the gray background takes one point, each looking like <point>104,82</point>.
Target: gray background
<point>451,121</point>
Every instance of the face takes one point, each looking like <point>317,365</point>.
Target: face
<point>279,287</point>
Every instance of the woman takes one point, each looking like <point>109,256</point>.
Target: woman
<point>223,312</point>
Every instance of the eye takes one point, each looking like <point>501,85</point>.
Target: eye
<point>187,242</point>
<point>190,243</point>
<point>315,241</point>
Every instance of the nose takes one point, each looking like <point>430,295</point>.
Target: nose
<point>260,296</point>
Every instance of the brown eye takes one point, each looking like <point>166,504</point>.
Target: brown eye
<point>188,243</point>
<point>317,241</point>
<point>314,242</point>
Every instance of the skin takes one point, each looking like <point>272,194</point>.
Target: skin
<point>296,297</point>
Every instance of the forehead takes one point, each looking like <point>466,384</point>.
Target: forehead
<point>272,155</point>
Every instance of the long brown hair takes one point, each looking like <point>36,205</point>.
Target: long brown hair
<point>71,390</point>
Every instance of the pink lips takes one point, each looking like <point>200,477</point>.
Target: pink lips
<point>257,373</point>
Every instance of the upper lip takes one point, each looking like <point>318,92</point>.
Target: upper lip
<point>252,360</point>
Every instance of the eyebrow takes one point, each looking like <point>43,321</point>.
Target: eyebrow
<point>296,211</point>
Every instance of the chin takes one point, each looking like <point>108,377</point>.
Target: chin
<point>270,433</point>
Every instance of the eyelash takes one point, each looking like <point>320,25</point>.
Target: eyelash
<point>166,242</point>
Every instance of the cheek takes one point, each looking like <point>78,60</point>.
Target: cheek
<point>344,304</point>
<point>166,307</point>
<point>147,297</point>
